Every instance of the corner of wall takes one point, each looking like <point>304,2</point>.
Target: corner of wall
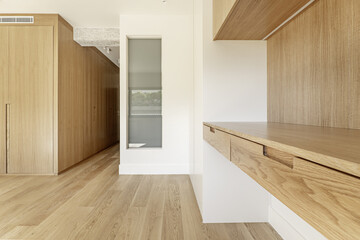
<point>289,225</point>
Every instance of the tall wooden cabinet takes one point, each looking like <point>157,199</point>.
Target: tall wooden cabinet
<point>45,82</point>
<point>30,99</point>
<point>3,95</point>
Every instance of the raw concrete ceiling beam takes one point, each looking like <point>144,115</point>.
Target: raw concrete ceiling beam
<point>97,36</point>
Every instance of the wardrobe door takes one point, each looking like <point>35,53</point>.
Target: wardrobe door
<point>3,95</point>
<point>31,86</point>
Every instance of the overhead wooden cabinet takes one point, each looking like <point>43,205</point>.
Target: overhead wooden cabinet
<point>249,19</point>
<point>43,101</point>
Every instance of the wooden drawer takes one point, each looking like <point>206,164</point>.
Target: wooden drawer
<point>218,139</point>
<point>327,199</point>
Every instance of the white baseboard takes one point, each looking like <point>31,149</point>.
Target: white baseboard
<point>289,225</point>
<point>283,227</point>
<point>140,169</point>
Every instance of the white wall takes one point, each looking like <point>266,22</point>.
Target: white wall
<point>229,195</point>
<point>176,32</point>
<point>196,162</point>
<point>289,225</point>
<point>231,79</point>
<point>206,81</point>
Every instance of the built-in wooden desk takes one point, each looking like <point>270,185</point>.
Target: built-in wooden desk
<point>315,171</point>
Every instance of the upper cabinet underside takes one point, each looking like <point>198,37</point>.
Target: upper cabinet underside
<point>251,19</point>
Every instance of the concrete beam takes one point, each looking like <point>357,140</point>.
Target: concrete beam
<point>87,37</point>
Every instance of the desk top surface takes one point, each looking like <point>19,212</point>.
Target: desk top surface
<point>336,148</point>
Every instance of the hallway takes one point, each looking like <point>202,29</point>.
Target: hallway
<point>91,201</point>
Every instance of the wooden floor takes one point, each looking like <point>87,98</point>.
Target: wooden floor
<point>91,201</point>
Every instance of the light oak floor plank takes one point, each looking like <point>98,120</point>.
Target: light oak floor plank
<point>91,201</point>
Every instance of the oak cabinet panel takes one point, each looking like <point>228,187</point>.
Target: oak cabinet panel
<point>327,199</point>
<point>58,100</point>
<point>31,100</point>
<point>3,95</point>
<point>218,139</point>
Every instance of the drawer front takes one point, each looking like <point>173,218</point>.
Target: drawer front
<point>327,199</point>
<point>218,139</point>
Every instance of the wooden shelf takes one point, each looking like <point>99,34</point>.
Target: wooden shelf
<point>249,19</point>
<point>336,148</point>
<point>312,170</point>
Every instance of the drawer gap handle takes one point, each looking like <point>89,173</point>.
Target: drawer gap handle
<point>279,156</point>
<point>212,129</point>
<point>7,137</point>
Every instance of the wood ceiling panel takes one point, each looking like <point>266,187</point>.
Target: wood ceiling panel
<point>253,19</point>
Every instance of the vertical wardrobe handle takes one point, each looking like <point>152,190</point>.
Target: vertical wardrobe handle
<point>7,135</point>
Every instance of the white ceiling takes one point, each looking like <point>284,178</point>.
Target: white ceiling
<point>156,7</point>
<point>98,13</point>
<point>91,13</point>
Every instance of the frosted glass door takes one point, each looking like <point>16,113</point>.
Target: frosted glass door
<point>144,93</point>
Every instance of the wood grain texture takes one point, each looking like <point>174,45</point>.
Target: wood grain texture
<point>251,20</point>
<point>221,10</point>
<point>218,139</point>
<point>88,83</point>
<point>332,147</point>
<point>279,156</point>
<point>91,201</point>
<point>3,94</point>
<point>100,104</point>
<point>313,67</point>
<point>49,21</point>
<point>55,18</point>
<point>42,21</point>
<point>71,101</point>
<point>7,135</point>
<point>327,199</point>
<point>67,91</point>
<point>31,86</point>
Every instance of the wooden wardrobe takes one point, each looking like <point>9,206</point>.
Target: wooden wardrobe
<point>58,100</point>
